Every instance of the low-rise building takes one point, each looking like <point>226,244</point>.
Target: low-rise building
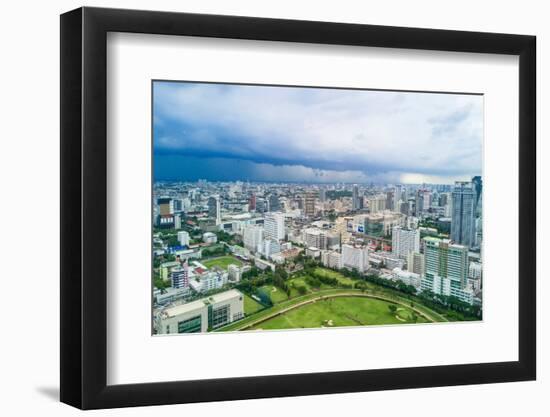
<point>202,315</point>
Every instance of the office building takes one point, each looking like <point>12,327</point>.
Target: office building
<point>321,239</point>
<point>180,276</point>
<point>331,259</point>
<point>309,203</point>
<point>253,235</point>
<point>415,263</point>
<point>355,258</point>
<point>274,203</point>
<point>377,203</point>
<point>202,315</point>
<point>274,226</point>
<point>214,209</point>
<point>183,238</point>
<point>446,266</point>
<point>356,199</point>
<point>463,214</point>
<point>406,277</point>
<point>405,241</point>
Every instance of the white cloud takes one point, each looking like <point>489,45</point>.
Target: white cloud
<point>370,133</point>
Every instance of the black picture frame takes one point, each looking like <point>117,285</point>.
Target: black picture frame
<point>84,207</point>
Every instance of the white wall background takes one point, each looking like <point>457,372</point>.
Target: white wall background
<point>29,175</point>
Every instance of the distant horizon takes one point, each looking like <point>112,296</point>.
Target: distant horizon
<point>227,132</point>
<point>168,180</point>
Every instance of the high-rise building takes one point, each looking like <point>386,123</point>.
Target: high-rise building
<point>463,214</point>
<point>415,263</point>
<point>397,197</point>
<point>183,238</point>
<point>252,202</point>
<point>320,239</point>
<point>390,200</point>
<point>261,205</point>
<point>180,276</point>
<point>355,258</point>
<point>274,203</point>
<point>323,194</point>
<point>309,203</point>
<point>405,241</point>
<point>214,209</point>
<point>274,226</point>
<point>165,206</point>
<point>478,188</point>
<point>377,203</point>
<point>253,236</point>
<point>446,269</point>
<point>356,199</point>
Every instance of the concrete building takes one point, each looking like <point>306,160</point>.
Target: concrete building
<point>309,203</point>
<point>274,226</point>
<point>209,237</point>
<point>355,258</point>
<point>405,241</point>
<point>331,259</point>
<point>166,269</point>
<point>234,272</point>
<point>463,214</point>
<point>415,263</point>
<point>202,315</point>
<point>183,238</point>
<point>180,276</point>
<point>253,236</point>
<point>313,252</point>
<point>356,199</point>
<point>321,239</point>
<point>377,203</point>
<point>446,269</point>
<point>408,278</point>
<point>214,209</point>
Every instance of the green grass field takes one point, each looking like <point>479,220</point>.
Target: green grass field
<point>223,262</point>
<point>251,306</point>
<point>336,312</point>
<point>333,274</point>
<point>276,294</point>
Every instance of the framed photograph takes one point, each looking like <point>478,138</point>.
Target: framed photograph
<point>259,208</point>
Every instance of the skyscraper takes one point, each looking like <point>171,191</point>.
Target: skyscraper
<point>309,203</point>
<point>478,188</point>
<point>355,198</point>
<point>405,241</point>
<point>463,214</point>
<point>214,209</point>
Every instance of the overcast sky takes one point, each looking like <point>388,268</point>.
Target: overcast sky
<point>261,133</point>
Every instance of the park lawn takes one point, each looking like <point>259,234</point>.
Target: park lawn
<point>344,311</point>
<point>333,274</point>
<point>299,280</point>
<point>276,294</point>
<point>223,262</point>
<point>251,306</point>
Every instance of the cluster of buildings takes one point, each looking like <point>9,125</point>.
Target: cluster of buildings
<point>426,236</point>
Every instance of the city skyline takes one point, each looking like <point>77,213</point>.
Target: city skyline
<point>314,135</point>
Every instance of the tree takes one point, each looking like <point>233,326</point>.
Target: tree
<point>392,308</point>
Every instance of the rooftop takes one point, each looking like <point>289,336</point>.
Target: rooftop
<point>195,305</point>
